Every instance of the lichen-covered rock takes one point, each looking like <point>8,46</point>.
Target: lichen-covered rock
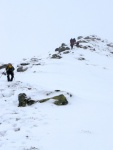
<point>31,102</point>
<point>22,98</point>
<point>24,101</point>
<point>59,100</point>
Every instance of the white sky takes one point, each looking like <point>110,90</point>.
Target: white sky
<point>39,25</point>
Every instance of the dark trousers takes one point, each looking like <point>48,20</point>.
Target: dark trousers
<point>71,45</point>
<point>10,76</point>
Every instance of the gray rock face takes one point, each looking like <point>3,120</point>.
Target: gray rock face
<point>79,37</point>
<point>56,56</point>
<point>66,52</point>
<point>21,69</point>
<point>81,58</point>
<point>3,66</point>
<point>62,48</point>
<point>110,45</point>
<point>24,100</point>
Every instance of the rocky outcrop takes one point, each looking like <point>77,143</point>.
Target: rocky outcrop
<point>24,100</point>
<point>62,48</point>
<point>24,64</point>
<point>59,100</point>
<point>21,69</point>
<point>110,45</point>
<point>56,56</point>
<point>81,58</point>
<point>3,66</point>
<point>66,52</point>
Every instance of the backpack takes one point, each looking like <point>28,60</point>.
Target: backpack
<point>9,67</point>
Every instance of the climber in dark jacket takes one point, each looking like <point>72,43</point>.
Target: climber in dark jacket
<point>10,72</point>
<point>72,42</point>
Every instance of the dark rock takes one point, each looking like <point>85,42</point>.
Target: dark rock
<point>24,64</point>
<point>3,66</point>
<point>63,44</point>
<point>92,38</point>
<point>66,52</point>
<point>110,45</point>
<point>79,37</point>
<point>62,48</point>
<point>56,56</point>
<point>34,59</point>
<point>57,90</point>
<point>31,102</point>
<point>92,49</point>
<point>57,49</point>
<point>22,98</point>
<point>21,69</point>
<point>37,64</point>
<point>82,41</point>
<point>81,58</point>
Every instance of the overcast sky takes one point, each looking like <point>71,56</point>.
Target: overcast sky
<point>36,26</point>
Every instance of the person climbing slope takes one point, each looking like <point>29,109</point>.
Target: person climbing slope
<point>10,72</point>
<point>72,42</point>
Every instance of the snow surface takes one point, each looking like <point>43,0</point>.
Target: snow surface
<point>86,123</point>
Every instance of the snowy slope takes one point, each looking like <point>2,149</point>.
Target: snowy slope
<point>86,123</point>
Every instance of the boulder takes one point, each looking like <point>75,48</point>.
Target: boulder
<point>79,37</point>
<point>24,64</point>
<point>59,100</point>
<point>56,56</point>
<point>24,100</point>
<point>81,58</point>
<point>110,45</point>
<point>21,69</point>
<point>3,66</point>
<point>62,48</point>
<point>66,52</point>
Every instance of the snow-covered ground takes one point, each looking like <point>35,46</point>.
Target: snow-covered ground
<point>86,123</point>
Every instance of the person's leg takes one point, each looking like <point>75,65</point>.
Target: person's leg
<point>12,76</point>
<point>8,78</point>
<point>71,46</point>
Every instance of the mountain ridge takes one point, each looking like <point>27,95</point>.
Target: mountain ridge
<point>85,122</point>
